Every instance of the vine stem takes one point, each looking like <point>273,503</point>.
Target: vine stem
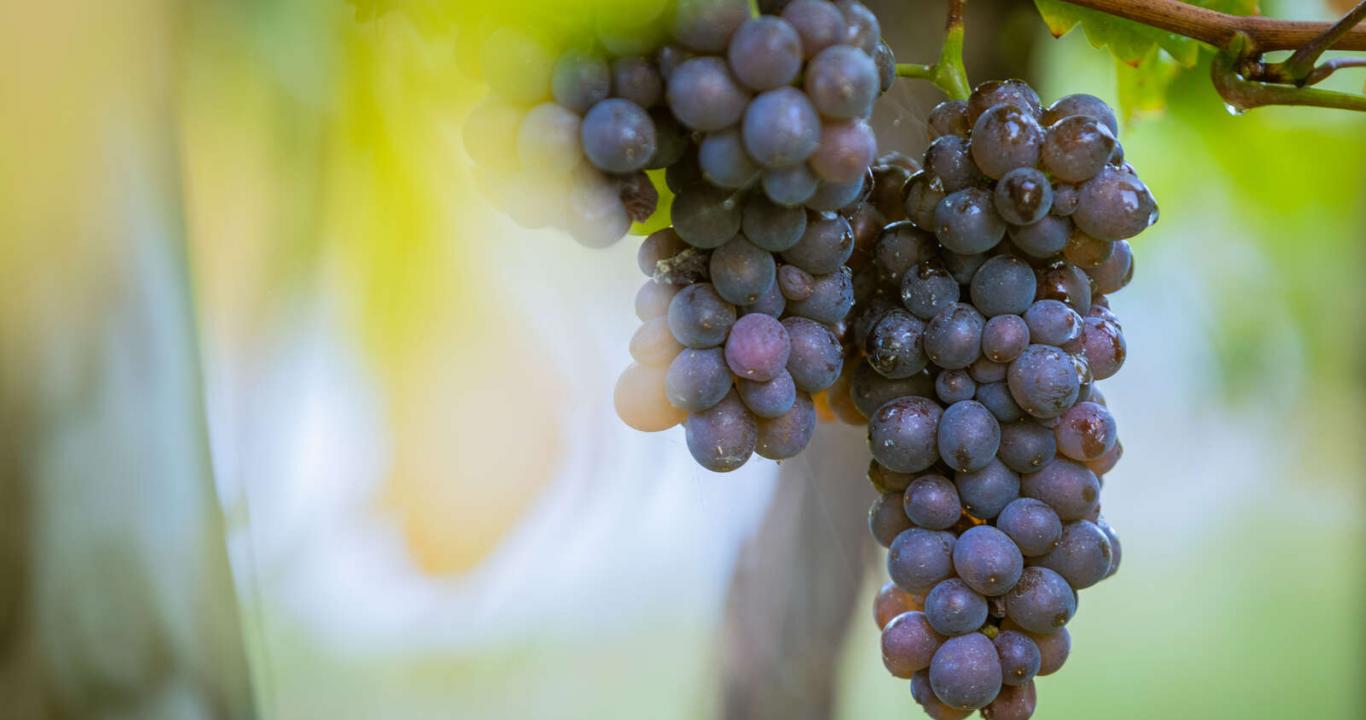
<point>1301,64</point>
<point>1221,29</point>
<point>948,74</point>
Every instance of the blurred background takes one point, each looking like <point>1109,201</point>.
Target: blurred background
<point>296,425</point>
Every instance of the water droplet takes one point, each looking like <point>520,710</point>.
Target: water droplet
<point>1234,110</point>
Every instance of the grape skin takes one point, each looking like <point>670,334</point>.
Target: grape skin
<point>996,397</point>
<point>1041,602</point>
<point>1016,93</point>
<point>1026,447</point>
<point>1082,104</point>
<point>699,317</point>
<point>901,246</point>
<point>795,283</point>
<point>790,186</point>
<point>770,226</point>
<point>825,245</point>
<point>781,129</point>
<point>785,436</point>
<point>928,290</point>
<point>618,136</point>
<point>1052,322</point>
<point>1068,283</point>
<point>771,398</point>
<point>887,519</point>
<point>722,438</point>
<point>924,192</point>
<point>1032,525</point>
<point>1053,650</point>
<point>1114,205</point>
<point>819,24</point>
<point>908,642</point>
<point>765,53</point>
<point>987,560</point>
<point>892,601</point>
<point>816,357</point>
<point>1023,196</point>
<point>697,379</point>
<point>984,370</point>
<point>705,216</point>
<point>832,196</point>
<point>771,303</point>
<point>953,338</point>
<point>1070,488</point>
<point>1003,285</point>
<point>949,159</point>
<point>1114,273</point>
<point>1020,657</point>
<point>638,80</point>
<point>1005,138</point>
<point>869,390</point>
<point>1082,557</point>
<point>918,559</point>
<point>1043,381</point>
<point>968,436</point>
<point>953,608</point>
<point>757,348</point>
<point>842,82</point>
<point>704,96</point>
<point>966,221</point>
<point>1076,148</point>
<point>653,300</point>
<point>1086,432</point>
<point>1013,703</point>
<point>1004,337</point>
<point>1043,239</point>
<point>902,434</point>
<point>864,30</point>
<point>931,501</point>
<point>985,492</point>
<point>1102,344</point>
<point>580,80</point>
<point>724,161</point>
<point>706,25</point>
<point>934,708</point>
<point>949,117</point>
<point>742,273</point>
<point>894,345</point>
<point>965,672</point>
<point>845,152</point>
<point>954,386</point>
<point>831,298</point>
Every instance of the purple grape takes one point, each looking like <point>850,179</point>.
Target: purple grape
<point>965,672</point>
<point>816,357</point>
<point>968,436</point>
<point>966,222</point>
<point>996,397</point>
<point>1026,447</point>
<point>902,246</point>
<point>722,438</point>
<point>636,79</point>
<point>772,227</point>
<point>831,298</point>
<point>1113,537</point>
<point>894,345</point>
<point>1043,239</point>
<point>825,245</point>
<point>953,608</point>
<point>618,136</point>
<point>1068,283</point>
<point>697,379</point>
<point>983,370</point>
<point>1086,432</point>
<point>1076,148</point>
<point>1082,557</point>
<point>1023,196</point>
<point>949,159</point>
<point>1070,488</point>
<point>724,163</point>
<point>781,129</point>
<point>770,398</point>
<point>918,559</point>
<point>1082,104</point>
<point>1020,657</point>
<point>580,81</point>
<point>864,31</point>
<point>948,118</point>
<point>1052,323</point>
<point>908,644</point>
<point>870,390</point>
<point>1004,337</point>
<point>1053,650</point>
<point>795,283</point>
<point>985,492</point>
<point>928,289</point>
<point>845,152</point>
<point>1043,380</point>
<point>924,192</point>
<point>757,348</point>
<point>704,96</point>
<point>785,436</point>
<point>931,501</point>
<point>832,196</point>
<point>1065,197</point>
<point>1114,205</point>
<point>1003,285</point>
<point>1005,138</point>
<point>1012,703</point>
<point>954,386</point>
<point>1102,344</point>
<point>790,186</point>
<point>770,303</point>
<point>1115,273</point>
<point>902,434</point>
<point>842,82</point>
<point>820,24</point>
<point>706,25</point>
<point>1041,602</point>
<point>742,273</point>
<point>699,318</point>
<point>705,216</point>
<point>1032,525</point>
<point>765,53</point>
<point>953,338</point>
<point>1017,93</point>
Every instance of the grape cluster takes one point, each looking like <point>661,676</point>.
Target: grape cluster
<point>982,325</point>
<point>769,166</point>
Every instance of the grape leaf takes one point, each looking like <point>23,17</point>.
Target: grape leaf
<point>1143,89</point>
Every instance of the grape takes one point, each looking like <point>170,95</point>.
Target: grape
<point>816,357</point>
<point>653,300</point>
<point>1026,446</point>
<point>704,96</point>
<point>1016,93</point>
<point>618,136</point>
<point>966,222</point>
<point>757,348</point>
<point>831,196</point>
<point>722,438</point>
<point>596,217</point>
<point>887,519</point>
<point>638,195</point>
<point>740,272</point>
<point>769,398</point>
<point>1020,657</point>
<point>864,31</point>
<point>1102,344</point>
<point>705,216</point>
<point>653,344</point>
<point>928,290</point>
<point>824,246</point>
<point>918,559</point>
<point>724,162</point>
<point>1004,337</point>
<point>886,66</point>
<point>819,24</point>
<point>1070,488</point>
<point>549,139</point>
<point>987,491</point>
<point>894,345</point>
<point>1076,148</point>
<point>1044,238</point>
<point>953,608</point>
<point>908,643</point>
<point>1105,463</point>
<point>949,158</point>
<point>1068,283</point>
<point>1086,432</point>
<point>902,434</point>
<point>765,53</point>
<point>1043,381</point>
<point>699,318</point>
<point>948,118</point>
<point>924,192</point>
<point>870,390</point>
<point>770,303</point>
<point>658,246</point>
<point>516,66</point>
<point>968,436</point>
<point>580,81</point>
<point>1004,285</point>
<point>901,246</point>
<point>983,370</point>
<point>890,602</point>
<point>1041,602</point>
<point>795,283</point>
<point>785,436</point>
<point>1082,557</point>
<point>1115,272</point>
<point>640,400</point>
<point>885,481</point>
<point>790,186</point>
<point>889,189</point>
<point>1114,205</point>
<point>954,386</point>
<point>706,25</point>
<point>1013,703</point>
<point>988,560</point>
<point>965,672</point>
<point>846,150</point>
<point>1065,197</point>
<point>842,82</point>
<point>1113,537</point>
<point>1032,524</point>
<point>1082,104</point>
<point>934,708</point>
<point>1005,138</point>
<point>670,57</point>
<point>772,227</point>
<point>996,397</point>
<point>931,502</point>
<point>781,129</point>
<point>638,80</point>
<point>1053,650</point>
<point>831,298</point>
<point>1052,323</point>
<point>671,145</point>
<point>953,338</point>
<point>1023,196</point>
<point>697,379</point>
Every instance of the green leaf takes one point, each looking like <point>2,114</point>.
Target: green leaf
<point>1143,90</point>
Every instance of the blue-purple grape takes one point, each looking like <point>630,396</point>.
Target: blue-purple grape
<point>986,491</point>
<point>1041,602</point>
<point>846,150</point>
<point>770,226</point>
<point>704,95</point>
<point>908,643</point>
<point>757,348</point>
<point>1076,148</point>
<point>894,345</point>
<point>1086,432</point>
<point>636,79</point>
<point>724,162</point>
<point>1043,239</point>
<point>769,398</point>
<point>953,608</point>
<point>706,216</point>
<point>771,303</point>
<point>1070,488</point>
<point>1016,93</point>
<point>765,53</point>
<point>902,246</point>
<point>1102,344</point>
<point>742,273</point>
<point>825,245</point>
<point>968,436</point>
<point>706,25</point>
<point>924,192</point>
<point>1052,322</point>
<point>984,370</point>
<point>927,289</point>
<point>1032,525</point>
<point>816,357</point>
<point>887,519</point>
<point>697,379</point>
<point>949,117</point>
<point>918,559</point>
<point>819,24</point>
<point>954,386</point>
<point>580,80</point>
<point>902,433</point>
<point>785,436</point>
<point>618,136</point>
<point>966,221</point>
<point>842,82</point>
<point>1026,447</point>
<point>832,196</point>
<point>1053,650</point>
<point>965,672</point>
<point>1020,657</point>
<point>953,338</point>
<point>1005,138</point>
<point>1115,272</point>
<point>781,128</point>
<point>1003,285</point>
<point>1082,557</point>
<point>1082,104</point>
<point>1023,196</point>
<point>1004,337</point>
<point>931,501</point>
<point>699,317</point>
<point>831,298</point>
<point>790,186</point>
<point>996,398</point>
<point>1114,205</point>
<point>1043,380</point>
<point>949,158</point>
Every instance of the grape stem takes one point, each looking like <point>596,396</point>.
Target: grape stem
<point>1232,82</point>
<point>1221,29</point>
<point>948,74</point>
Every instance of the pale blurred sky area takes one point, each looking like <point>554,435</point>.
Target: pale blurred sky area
<point>268,341</point>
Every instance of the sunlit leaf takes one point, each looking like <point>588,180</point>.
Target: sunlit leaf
<point>1143,90</point>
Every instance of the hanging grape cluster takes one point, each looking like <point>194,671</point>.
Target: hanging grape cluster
<point>983,328</point>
